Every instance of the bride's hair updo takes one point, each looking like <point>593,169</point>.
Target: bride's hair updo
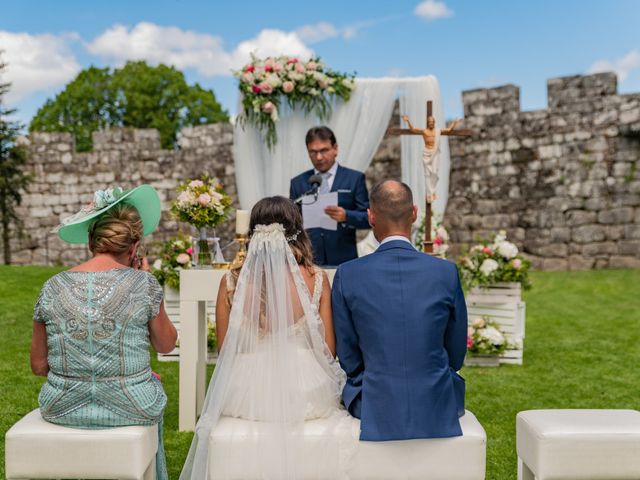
<point>283,211</point>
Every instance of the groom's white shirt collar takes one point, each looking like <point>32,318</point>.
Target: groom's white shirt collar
<point>391,238</point>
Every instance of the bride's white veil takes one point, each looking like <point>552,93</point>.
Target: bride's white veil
<point>272,318</point>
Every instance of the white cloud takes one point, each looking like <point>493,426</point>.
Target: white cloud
<point>623,66</point>
<point>316,33</point>
<point>187,49</point>
<point>433,10</point>
<point>36,62</point>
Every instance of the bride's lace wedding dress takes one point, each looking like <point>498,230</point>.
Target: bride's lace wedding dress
<point>276,373</point>
<point>317,388</point>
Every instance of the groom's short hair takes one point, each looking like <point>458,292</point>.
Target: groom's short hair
<point>320,133</point>
<point>393,200</point>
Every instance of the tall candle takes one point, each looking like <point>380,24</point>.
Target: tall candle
<point>242,222</point>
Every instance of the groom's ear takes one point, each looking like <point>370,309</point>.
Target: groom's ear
<point>414,214</point>
<point>371,217</point>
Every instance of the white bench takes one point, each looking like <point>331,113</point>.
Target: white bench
<point>578,444</point>
<point>455,458</point>
<point>35,448</point>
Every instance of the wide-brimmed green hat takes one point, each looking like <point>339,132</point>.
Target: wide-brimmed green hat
<point>145,199</point>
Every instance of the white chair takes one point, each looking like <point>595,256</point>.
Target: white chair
<point>455,458</point>
<point>578,444</point>
<point>35,448</point>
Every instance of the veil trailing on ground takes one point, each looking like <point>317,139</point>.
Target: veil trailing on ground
<point>274,348</point>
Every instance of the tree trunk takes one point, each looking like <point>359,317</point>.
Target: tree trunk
<point>4,218</point>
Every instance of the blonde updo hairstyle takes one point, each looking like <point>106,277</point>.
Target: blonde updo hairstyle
<point>116,230</point>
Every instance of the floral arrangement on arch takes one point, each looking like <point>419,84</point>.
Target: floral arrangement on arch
<point>492,262</point>
<point>202,202</point>
<point>175,255</point>
<point>308,84</point>
<point>439,236</point>
<point>484,337</point>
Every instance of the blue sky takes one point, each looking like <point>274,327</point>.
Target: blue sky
<point>467,44</point>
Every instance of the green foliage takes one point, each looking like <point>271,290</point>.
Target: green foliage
<point>581,328</point>
<point>13,179</point>
<point>136,95</point>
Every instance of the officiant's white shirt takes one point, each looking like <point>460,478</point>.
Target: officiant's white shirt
<point>332,171</point>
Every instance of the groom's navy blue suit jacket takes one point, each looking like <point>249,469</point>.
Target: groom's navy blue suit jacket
<point>401,328</point>
<point>333,247</point>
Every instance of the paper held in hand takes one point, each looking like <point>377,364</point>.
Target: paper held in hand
<point>313,211</point>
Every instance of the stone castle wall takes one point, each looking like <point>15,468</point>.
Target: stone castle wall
<point>65,180</point>
<point>563,182</point>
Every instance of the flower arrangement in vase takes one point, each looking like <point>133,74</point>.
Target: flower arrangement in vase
<point>204,204</point>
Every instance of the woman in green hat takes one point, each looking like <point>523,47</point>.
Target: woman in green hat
<point>93,323</point>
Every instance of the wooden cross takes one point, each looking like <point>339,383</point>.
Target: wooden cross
<point>428,135</point>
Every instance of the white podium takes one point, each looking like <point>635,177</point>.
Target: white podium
<point>196,288</point>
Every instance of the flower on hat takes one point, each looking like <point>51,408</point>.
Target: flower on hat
<point>104,198</point>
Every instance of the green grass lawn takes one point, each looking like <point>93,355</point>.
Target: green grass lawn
<point>582,350</point>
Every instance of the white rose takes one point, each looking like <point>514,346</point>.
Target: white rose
<point>507,249</point>
<point>157,265</point>
<point>492,334</point>
<point>488,266</point>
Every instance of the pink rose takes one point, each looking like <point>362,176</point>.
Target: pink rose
<point>196,183</point>
<point>266,87</point>
<point>189,250</point>
<point>438,241</point>
<point>278,67</point>
<point>300,68</point>
<point>288,87</point>
<point>249,68</point>
<point>204,199</point>
<point>487,251</point>
<point>292,60</point>
<point>517,263</point>
<point>268,107</point>
<point>256,89</point>
<point>312,65</point>
<point>183,259</point>
<point>247,77</point>
<point>469,342</point>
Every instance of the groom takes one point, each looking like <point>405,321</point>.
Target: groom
<point>401,328</point>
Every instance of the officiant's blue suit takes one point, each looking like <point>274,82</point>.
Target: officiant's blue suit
<point>401,328</point>
<point>333,247</point>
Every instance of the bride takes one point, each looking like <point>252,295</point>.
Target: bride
<point>277,363</point>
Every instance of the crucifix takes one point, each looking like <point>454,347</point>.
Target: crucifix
<point>431,137</point>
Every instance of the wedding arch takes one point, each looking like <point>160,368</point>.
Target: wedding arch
<point>359,125</point>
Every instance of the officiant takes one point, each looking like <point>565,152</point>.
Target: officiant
<point>333,247</point>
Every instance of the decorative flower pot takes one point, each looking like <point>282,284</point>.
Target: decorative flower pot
<point>482,360</point>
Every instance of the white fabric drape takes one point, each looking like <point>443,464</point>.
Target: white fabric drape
<point>359,125</point>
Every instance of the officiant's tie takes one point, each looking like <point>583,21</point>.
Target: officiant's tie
<point>324,186</point>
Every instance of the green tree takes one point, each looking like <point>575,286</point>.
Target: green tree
<point>136,95</point>
<point>13,180</point>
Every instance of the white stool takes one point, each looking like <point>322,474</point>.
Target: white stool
<point>578,444</point>
<point>35,448</point>
<point>454,458</point>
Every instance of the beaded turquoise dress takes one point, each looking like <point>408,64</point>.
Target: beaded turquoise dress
<point>98,351</point>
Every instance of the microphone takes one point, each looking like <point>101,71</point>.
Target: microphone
<point>314,181</point>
